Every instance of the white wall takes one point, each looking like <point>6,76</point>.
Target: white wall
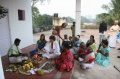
<point>20,29</point>
<point>1,70</point>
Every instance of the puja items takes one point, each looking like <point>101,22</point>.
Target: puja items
<point>47,67</point>
<point>13,68</point>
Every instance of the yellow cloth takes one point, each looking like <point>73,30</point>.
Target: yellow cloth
<point>93,46</point>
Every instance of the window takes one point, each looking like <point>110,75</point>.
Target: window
<point>21,14</point>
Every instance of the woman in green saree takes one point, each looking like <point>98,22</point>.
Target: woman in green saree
<point>103,56</point>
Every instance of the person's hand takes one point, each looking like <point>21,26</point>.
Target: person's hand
<point>43,49</point>
<point>50,52</point>
<point>98,50</point>
<point>101,51</point>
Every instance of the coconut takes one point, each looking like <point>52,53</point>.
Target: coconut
<point>40,72</point>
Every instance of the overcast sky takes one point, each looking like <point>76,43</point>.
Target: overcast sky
<point>67,7</point>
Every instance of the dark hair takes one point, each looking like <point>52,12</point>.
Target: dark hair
<point>82,44</point>
<point>93,40</point>
<point>105,42</point>
<point>78,36</point>
<point>73,22</point>
<point>65,35</point>
<point>17,40</point>
<point>66,45</point>
<point>64,25</point>
<point>92,36</point>
<point>90,50</point>
<point>52,37</point>
<point>41,38</point>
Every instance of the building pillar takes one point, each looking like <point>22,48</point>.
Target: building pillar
<point>78,18</point>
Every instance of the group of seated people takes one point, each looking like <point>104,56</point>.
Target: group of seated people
<point>65,52</point>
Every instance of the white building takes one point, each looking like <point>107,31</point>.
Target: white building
<point>58,21</point>
<point>17,24</point>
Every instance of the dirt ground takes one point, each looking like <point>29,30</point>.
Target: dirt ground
<point>98,72</point>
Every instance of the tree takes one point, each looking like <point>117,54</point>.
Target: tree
<point>33,2</point>
<point>35,16</point>
<point>69,19</point>
<point>113,10</point>
<point>45,20</point>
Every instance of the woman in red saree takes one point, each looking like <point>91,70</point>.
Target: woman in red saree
<point>66,60</point>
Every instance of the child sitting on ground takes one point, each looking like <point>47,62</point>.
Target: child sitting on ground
<point>71,42</point>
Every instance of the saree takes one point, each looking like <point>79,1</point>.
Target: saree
<point>65,61</point>
<point>101,59</point>
<point>88,61</point>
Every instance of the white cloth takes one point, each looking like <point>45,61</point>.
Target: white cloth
<point>87,57</point>
<point>55,50</point>
<point>87,65</point>
<point>102,36</point>
<point>118,40</point>
<point>112,41</point>
<point>104,33</point>
<point>114,30</point>
<point>57,38</point>
<point>18,59</point>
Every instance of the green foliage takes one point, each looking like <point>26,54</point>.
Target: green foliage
<point>70,20</point>
<point>40,20</point>
<point>113,14</point>
<point>45,20</point>
<point>35,15</point>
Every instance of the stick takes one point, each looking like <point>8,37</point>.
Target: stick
<point>116,68</point>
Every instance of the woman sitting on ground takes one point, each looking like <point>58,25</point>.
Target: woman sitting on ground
<point>65,61</point>
<point>102,57</point>
<point>41,42</point>
<point>88,61</point>
<point>93,45</point>
<point>88,41</point>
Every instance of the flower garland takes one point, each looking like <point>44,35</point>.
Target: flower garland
<point>3,12</point>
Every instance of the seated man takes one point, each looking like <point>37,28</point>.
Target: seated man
<point>66,60</point>
<point>15,54</point>
<point>52,48</point>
